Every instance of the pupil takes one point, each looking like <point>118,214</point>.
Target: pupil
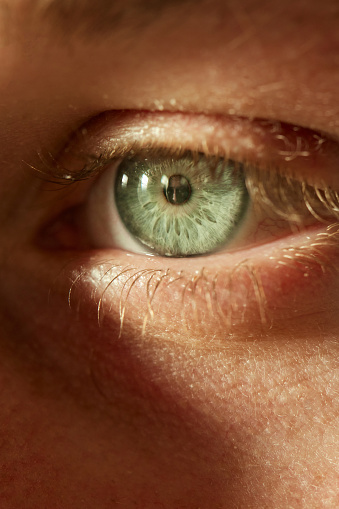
<point>177,189</point>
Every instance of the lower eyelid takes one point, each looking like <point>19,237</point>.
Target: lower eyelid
<point>266,287</point>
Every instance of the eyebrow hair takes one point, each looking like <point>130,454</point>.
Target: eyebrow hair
<point>102,17</point>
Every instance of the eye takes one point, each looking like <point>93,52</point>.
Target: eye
<point>180,207</point>
<point>141,182</point>
<point>192,205</point>
<point>154,197</point>
<point>169,206</point>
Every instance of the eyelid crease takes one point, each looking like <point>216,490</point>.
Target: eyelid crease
<point>296,152</point>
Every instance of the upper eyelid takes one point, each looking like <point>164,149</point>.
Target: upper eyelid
<point>295,151</point>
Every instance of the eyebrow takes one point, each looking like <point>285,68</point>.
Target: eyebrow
<point>103,17</point>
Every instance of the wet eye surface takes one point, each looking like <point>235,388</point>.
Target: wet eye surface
<point>181,207</point>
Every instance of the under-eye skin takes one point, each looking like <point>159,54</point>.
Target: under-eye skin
<point>262,228</point>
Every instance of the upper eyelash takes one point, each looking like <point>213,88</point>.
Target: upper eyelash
<point>291,199</point>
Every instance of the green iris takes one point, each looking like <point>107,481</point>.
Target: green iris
<point>181,207</point>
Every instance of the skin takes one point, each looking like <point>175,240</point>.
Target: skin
<point>191,414</point>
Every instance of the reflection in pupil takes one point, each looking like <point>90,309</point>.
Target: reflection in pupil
<point>177,189</point>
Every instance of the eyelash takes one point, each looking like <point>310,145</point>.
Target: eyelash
<point>302,261</point>
<point>276,192</point>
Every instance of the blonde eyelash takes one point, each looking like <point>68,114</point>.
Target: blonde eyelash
<point>290,199</point>
<point>303,259</point>
<point>287,198</point>
<point>270,190</point>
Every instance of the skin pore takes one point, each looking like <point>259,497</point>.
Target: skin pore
<point>139,381</point>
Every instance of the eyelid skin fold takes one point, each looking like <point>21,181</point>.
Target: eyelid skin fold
<point>294,151</point>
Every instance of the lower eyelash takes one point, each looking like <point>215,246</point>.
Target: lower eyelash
<point>289,199</point>
<point>202,290</point>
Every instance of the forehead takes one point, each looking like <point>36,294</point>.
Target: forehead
<point>267,58</point>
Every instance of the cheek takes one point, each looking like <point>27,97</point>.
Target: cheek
<point>259,298</point>
<point>199,400</point>
<point>79,307</point>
